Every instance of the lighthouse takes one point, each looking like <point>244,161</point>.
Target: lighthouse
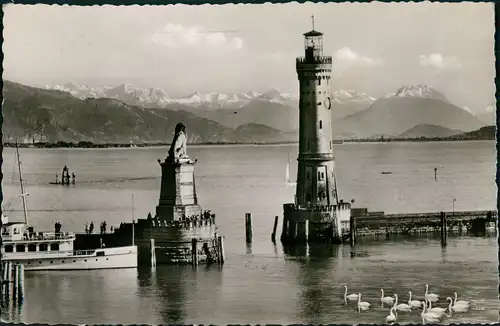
<point>317,214</point>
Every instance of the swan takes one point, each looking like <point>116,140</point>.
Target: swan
<point>430,319</point>
<point>414,303</point>
<point>391,318</point>
<point>436,310</point>
<point>460,302</point>
<point>401,306</point>
<point>363,305</point>
<point>457,308</point>
<point>428,315</point>
<point>352,296</point>
<point>387,300</point>
<point>430,296</point>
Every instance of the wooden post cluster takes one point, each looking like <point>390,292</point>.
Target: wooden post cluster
<point>248,227</point>
<point>444,229</point>
<point>12,285</point>
<point>352,230</point>
<point>275,226</point>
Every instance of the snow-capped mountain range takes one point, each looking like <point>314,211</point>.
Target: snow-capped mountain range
<point>422,91</point>
<point>158,98</point>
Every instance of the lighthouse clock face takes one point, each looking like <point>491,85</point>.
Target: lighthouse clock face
<point>328,103</point>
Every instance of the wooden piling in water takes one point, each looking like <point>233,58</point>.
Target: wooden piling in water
<point>152,250</point>
<point>352,229</point>
<point>15,282</point>
<point>220,245</point>
<point>248,227</point>
<point>194,251</point>
<point>273,235</point>
<point>20,286</point>
<point>444,228</point>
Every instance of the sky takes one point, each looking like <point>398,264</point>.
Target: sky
<point>376,47</point>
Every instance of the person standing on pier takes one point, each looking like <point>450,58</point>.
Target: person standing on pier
<point>86,227</point>
<point>104,227</point>
<point>91,227</point>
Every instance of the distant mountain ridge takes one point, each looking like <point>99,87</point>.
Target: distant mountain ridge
<point>51,115</point>
<point>277,109</point>
<point>262,117</point>
<point>430,131</point>
<point>396,113</point>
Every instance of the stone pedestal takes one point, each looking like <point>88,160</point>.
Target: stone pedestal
<point>178,191</point>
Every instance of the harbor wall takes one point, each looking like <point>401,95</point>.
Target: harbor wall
<point>172,240</point>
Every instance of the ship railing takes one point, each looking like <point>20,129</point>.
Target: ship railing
<point>49,236</point>
<point>83,252</point>
<point>52,253</point>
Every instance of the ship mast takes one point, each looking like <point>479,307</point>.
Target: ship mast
<point>133,219</point>
<point>23,195</point>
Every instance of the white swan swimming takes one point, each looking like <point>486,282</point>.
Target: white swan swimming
<point>430,296</point>
<point>460,302</point>
<point>401,306</point>
<point>388,300</point>
<point>352,296</point>
<point>436,310</point>
<point>391,318</point>
<point>363,305</point>
<point>457,308</point>
<point>428,315</point>
<point>414,303</point>
<point>429,319</point>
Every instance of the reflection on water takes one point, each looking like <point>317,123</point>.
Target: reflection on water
<point>289,288</point>
<point>263,282</point>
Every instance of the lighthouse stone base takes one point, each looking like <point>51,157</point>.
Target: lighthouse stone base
<point>315,224</point>
<point>178,199</point>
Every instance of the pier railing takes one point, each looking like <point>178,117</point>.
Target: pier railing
<point>380,217</point>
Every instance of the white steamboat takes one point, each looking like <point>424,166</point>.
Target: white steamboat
<point>54,251</point>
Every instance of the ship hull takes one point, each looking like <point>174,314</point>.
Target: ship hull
<point>105,258</point>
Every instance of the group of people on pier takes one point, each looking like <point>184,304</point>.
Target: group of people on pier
<point>65,176</point>
<point>89,228</point>
<point>57,227</point>
<point>205,215</point>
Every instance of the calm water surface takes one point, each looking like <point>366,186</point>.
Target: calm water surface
<point>262,284</point>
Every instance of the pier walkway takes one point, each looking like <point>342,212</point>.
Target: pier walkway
<point>380,223</point>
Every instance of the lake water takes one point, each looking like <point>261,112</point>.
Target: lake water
<point>261,284</point>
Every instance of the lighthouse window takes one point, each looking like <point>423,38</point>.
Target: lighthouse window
<point>320,124</point>
<point>319,81</point>
<point>322,175</point>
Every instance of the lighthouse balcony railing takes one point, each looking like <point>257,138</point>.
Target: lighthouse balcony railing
<point>314,60</point>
